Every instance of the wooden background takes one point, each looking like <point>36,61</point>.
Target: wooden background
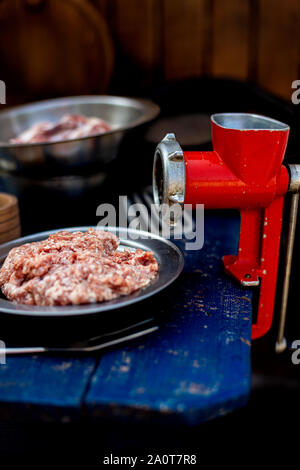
<point>255,40</point>
<point>154,41</point>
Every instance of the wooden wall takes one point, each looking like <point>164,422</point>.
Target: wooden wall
<point>255,40</point>
<point>60,47</point>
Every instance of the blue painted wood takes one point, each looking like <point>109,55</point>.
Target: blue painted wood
<point>198,365</point>
<point>41,387</point>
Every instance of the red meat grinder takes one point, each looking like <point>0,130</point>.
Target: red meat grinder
<point>245,172</point>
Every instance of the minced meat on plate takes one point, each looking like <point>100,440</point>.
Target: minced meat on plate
<point>74,268</point>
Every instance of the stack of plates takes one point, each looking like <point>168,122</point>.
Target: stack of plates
<point>9,218</point>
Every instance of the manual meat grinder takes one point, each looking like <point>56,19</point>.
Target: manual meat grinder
<point>245,172</point>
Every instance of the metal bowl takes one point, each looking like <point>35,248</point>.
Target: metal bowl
<point>70,155</point>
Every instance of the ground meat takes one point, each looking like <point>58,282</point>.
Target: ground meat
<point>74,268</point>
<point>70,126</point>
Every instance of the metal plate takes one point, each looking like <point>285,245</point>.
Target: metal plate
<point>168,256</point>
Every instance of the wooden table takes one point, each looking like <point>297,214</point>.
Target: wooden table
<point>195,368</point>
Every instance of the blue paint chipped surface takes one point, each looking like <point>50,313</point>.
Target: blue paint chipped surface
<point>45,381</point>
<point>198,364</point>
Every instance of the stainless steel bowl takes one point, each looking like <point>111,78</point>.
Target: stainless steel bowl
<point>73,154</point>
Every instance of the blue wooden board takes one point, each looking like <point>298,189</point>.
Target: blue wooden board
<point>196,367</point>
<point>47,388</point>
